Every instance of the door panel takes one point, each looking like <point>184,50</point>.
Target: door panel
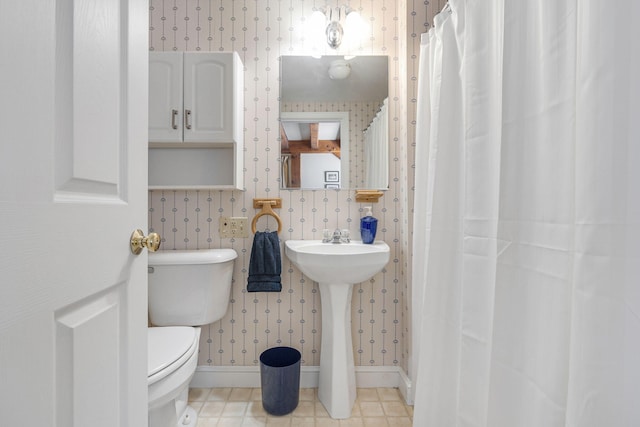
<point>97,60</point>
<point>83,360</point>
<point>90,81</point>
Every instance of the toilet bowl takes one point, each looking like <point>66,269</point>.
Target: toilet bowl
<point>186,289</point>
<point>172,361</point>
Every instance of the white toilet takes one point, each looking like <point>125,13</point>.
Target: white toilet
<point>186,289</point>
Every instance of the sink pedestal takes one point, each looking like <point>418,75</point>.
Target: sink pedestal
<point>337,386</point>
<point>336,267</point>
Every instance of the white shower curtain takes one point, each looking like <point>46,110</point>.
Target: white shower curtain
<point>376,149</point>
<point>526,254</point>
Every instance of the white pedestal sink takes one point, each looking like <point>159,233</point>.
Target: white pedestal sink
<point>336,267</point>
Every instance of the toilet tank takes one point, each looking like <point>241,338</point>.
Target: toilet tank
<point>189,288</point>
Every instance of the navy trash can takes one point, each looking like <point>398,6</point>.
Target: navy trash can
<point>280,379</point>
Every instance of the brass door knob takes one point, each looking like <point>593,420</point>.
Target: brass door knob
<point>139,241</point>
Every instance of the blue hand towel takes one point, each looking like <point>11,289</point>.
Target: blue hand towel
<point>265,265</point>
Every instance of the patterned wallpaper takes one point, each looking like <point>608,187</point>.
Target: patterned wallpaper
<point>261,31</point>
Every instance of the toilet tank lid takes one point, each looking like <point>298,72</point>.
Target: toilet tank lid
<point>202,256</point>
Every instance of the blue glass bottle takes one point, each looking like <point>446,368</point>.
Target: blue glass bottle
<point>368,226</point>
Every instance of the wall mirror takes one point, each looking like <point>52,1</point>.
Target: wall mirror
<point>334,122</point>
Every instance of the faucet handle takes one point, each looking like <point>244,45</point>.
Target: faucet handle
<point>326,235</point>
<point>337,236</point>
<point>344,235</point>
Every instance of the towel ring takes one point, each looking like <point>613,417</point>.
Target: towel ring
<point>266,210</point>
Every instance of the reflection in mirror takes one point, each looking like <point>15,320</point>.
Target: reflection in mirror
<point>334,122</point>
<point>311,149</point>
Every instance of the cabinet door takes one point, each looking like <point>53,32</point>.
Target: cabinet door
<point>208,97</point>
<point>165,97</point>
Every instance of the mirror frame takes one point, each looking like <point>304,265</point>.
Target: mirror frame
<point>324,116</point>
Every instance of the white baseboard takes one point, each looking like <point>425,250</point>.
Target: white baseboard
<point>406,388</point>
<point>244,376</point>
<point>249,376</point>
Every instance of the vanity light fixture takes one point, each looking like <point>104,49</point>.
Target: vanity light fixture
<point>327,20</point>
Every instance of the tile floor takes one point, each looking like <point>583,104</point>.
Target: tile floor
<point>242,407</point>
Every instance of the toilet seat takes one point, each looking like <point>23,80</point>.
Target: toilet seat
<point>169,347</point>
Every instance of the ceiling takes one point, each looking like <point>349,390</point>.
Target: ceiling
<point>299,131</point>
<point>304,78</point>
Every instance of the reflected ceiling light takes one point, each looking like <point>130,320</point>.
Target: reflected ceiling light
<point>339,69</point>
<point>328,20</point>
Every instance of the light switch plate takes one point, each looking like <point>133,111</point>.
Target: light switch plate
<point>233,227</point>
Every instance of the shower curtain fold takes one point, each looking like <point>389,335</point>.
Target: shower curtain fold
<point>376,147</point>
<point>526,253</point>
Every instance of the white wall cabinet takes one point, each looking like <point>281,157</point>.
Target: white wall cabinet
<point>196,118</point>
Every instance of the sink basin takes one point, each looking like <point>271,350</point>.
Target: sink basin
<point>336,267</point>
<point>337,263</point>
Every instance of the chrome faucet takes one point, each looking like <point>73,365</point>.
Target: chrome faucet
<point>338,236</point>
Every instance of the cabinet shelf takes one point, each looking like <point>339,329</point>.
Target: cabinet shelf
<point>200,167</point>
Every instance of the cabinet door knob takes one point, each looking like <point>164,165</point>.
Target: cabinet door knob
<point>187,118</point>
<point>174,114</point>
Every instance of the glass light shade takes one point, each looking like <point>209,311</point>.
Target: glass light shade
<point>355,29</point>
<point>317,21</point>
<point>354,20</point>
<point>315,30</point>
<point>339,69</point>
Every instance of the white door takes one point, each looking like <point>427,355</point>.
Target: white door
<point>73,129</point>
